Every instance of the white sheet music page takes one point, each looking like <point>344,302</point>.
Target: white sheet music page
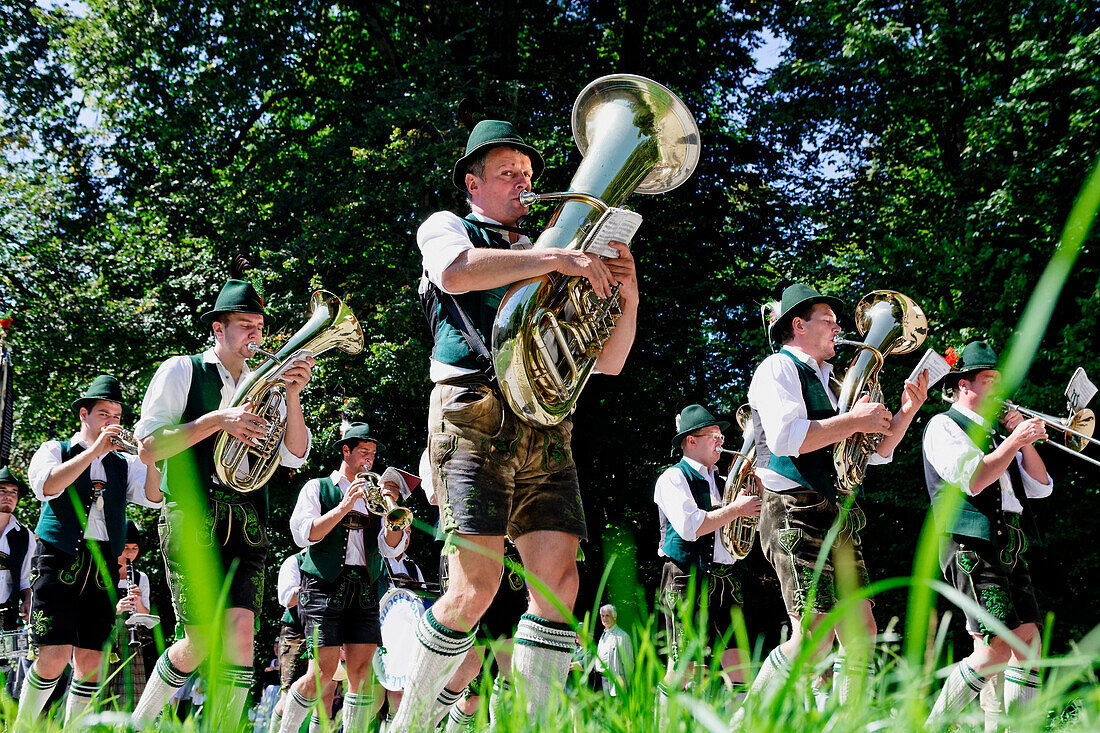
<point>616,225</point>
<point>936,365</point>
<point>1080,390</point>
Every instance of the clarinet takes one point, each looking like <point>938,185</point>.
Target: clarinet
<point>131,578</point>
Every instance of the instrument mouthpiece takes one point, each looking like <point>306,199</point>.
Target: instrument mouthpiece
<point>528,197</point>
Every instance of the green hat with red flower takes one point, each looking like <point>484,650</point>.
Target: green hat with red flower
<point>976,356</point>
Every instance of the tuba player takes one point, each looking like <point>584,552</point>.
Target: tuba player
<point>186,408</point>
<point>495,475</point>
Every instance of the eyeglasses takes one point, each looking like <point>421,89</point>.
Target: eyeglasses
<point>713,436</point>
<point>8,491</point>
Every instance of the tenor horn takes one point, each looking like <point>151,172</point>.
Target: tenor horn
<point>635,135</point>
<point>738,536</point>
<point>331,325</point>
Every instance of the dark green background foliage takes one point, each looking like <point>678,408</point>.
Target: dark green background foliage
<point>932,148</point>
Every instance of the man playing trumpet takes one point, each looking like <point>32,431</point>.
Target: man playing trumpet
<point>795,413</point>
<point>186,408</point>
<point>338,602</point>
<point>982,553</point>
<point>84,483</point>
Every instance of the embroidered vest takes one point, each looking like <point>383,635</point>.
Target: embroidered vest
<point>19,539</point>
<point>325,559</point>
<point>982,516</point>
<point>59,524</point>
<point>193,469</point>
<point>815,469</point>
<point>479,305</point>
<point>698,553</point>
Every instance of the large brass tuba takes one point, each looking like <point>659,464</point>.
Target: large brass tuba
<point>635,135</point>
<point>891,323</point>
<point>331,325</point>
<point>737,536</point>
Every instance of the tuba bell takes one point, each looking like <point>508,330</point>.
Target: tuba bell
<point>891,323</point>
<point>635,135</point>
<point>331,325</point>
<point>738,536</point>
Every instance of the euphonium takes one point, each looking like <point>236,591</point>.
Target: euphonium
<point>634,134</point>
<point>394,517</point>
<point>891,323</point>
<point>737,536</point>
<point>331,325</point>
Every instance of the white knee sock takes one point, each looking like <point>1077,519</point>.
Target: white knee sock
<point>961,687</point>
<point>1021,686</point>
<point>773,672</point>
<point>444,701</point>
<point>162,684</point>
<point>501,687</point>
<point>79,698</point>
<point>540,657</point>
<point>33,696</point>
<point>852,683</point>
<point>295,710</point>
<point>458,721</point>
<point>435,657</point>
<point>357,707</point>
<point>236,681</point>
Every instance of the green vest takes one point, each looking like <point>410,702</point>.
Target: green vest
<point>698,553</point>
<point>59,524</point>
<point>325,559</point>
<point>480,307</point>
<point>815,469</point>
<point>19,540</point>
<point>194,467</point>
<point>982,516</point>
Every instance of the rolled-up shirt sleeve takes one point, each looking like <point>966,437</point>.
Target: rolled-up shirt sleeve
<point>392,553</point>
<point>441,238</point>
<point>290,579</point>
<point>951,453</point>
<point>136,472</point>
<point>776,395</point>
<point>288,459</point>
<point>1033,488</point>
<point>44,460</point>
<point>306,510</point>
<point>673,495</point>
<point>165,398</point>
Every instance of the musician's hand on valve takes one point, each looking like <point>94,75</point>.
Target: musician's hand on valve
<point>298,375</point>
<point>624,273</point>
<point>1027,432</point>
<point>242,423</point>
<point>870,417</point>
<point>576,263</point>
<point>355,492</point>
<point>103,445</point>
<point>746,505</point>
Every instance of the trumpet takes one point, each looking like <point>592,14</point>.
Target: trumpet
<point>1077,429</point>
<point>124,441</point>
<point>394,517</point>
<point>737,536</point>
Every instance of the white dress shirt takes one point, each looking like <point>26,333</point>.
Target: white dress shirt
<point>403,566</point>
<point>442,238</point>
<point>775,395</point>
<point>677,506</point>
<point>956,459</point>
<point>24,580</point>
<point>308,508</point>
<point>616,655</point>
<point>290,580</point>
<point>166,398</point>
<point>48,457</point>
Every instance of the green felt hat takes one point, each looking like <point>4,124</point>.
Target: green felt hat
<point>236,296</point>
<point>976,356</point>
<point>692,418</point>
<point>356,432</point>
<point>103,387</point>
<point>7,477</point>
<point>492,134</point>
<point>795,297</point>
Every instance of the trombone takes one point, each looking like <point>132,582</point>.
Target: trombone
<point>1077,429</point>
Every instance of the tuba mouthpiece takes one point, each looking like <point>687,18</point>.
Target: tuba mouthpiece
<point>528,197</point>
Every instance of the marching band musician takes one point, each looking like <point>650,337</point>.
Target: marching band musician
<point>795,413</point>
<point>497,476</point>
<point>84,484</point>
<point>982,554</point>
<point>186,408</point>
<point>691,513</point>
<point>16,554</point>
<point>127,684</point>
<point>344,550</point>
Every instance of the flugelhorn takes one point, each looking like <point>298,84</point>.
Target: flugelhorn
<point>738,536</point>
<point>395,518</point>
<point>635,135</point>
<point>331,325</point>
<point>891,323</point>
<point>124,441</point>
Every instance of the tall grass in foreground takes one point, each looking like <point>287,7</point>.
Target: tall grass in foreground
<point>903,687</point>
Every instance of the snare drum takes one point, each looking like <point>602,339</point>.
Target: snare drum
<point>399,612</point>
<point>13,644</point>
